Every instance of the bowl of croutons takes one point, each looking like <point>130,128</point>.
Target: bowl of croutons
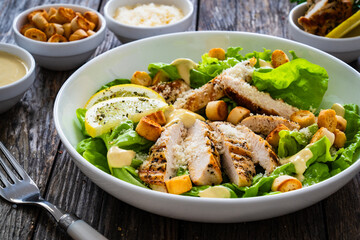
<point>60,36</point>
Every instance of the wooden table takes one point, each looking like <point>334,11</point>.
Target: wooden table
<point>28,131</point>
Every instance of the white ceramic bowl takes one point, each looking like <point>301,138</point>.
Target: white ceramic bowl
<point>126,33</point>
<point>10,94</point>
<point>347,49</point>
<point>123,61</point>
<point>59,56</point>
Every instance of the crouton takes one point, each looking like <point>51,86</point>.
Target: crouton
<point>179,184</point>
<point>141,78</point>
<point>216,110</point>
<point>237,114</point>
<point>149,129</point>
<point>273,137</point>
<point>218,53</point>
<point>341,123</point>
<point>158,117</point>
<point>327,119</point>
<point>304,118</point>
<point>340,138</point>
<point>286,183</point>
<point>321,133</point>
<point>278,58</point>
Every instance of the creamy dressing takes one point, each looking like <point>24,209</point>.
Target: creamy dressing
<point>185,116</point>
<point>12,68</point>
<point>184,65</point>
<point>215,192</point>
<point>299,160</point>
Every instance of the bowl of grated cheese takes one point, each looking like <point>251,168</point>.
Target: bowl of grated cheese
<point>130,20</point>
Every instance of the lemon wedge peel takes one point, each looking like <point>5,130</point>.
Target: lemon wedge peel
<point>345,27</point>
<point>106,115</point>
<point>124,90</point>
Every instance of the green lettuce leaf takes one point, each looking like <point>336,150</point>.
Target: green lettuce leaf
<point>315,173</point>
<point>94,150</point>
<point>349,154</point>
<point>125,137</point>
<point>169,70</point>
<point>197,78</point>
<point>262,184</point>
<point>291,142</point>
<point>80,114</point>
<point>128,174</point>
<point>299,83</point>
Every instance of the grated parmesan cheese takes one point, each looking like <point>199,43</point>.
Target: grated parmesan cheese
<point>148,15</point>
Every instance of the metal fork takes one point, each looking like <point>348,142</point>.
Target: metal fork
<point>20,189</point>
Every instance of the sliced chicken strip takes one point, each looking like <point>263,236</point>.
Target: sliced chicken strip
<point>170,91</point>
<point>235,155</point>
<point>196,99</point>
<point>250,97</point>
<point>163,162</point>
<point>203,157</point>
<point>262,124</point>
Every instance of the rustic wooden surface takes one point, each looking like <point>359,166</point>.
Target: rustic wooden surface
<point>28,131</point>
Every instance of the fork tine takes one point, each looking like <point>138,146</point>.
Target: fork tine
<point>13,163</point>
<point>3,179</point>
<point>9,172</point>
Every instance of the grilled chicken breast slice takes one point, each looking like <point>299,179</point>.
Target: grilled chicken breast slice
<point>164,161</point>
<point>196,99</point>
<point>235,155</point>
<point>261,150</point>
<point>250,97</point>
<point>262,124</point>
<point>203,157</point>
<point>170,91</point>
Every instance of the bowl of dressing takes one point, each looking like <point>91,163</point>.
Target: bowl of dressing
<point>17,74</point>
<point>132,20</point>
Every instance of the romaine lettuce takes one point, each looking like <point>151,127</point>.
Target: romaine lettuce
<point>94,150</point>
<point>315,173</point>
<point>80,114</point>
<point>124,136</point>
<point>262,184</point>
<point>291,142</point>
<point>169,70</point>
<point>299,83</point>
<point>345,157</point>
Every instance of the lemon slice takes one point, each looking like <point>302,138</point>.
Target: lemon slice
<point>106,115</point>
<point>345,27</point>
<point>124,90</point>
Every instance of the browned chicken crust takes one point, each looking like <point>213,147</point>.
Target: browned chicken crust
<point>262,124</point>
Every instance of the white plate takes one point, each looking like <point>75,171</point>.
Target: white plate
<point>121,62</point>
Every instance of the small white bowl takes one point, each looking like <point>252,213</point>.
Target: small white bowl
<point>347,49</point>
<point>126,33</point>
<point>10,94</point>
<point>60,56</point>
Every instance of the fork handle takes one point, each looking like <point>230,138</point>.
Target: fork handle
<point>78,229</point>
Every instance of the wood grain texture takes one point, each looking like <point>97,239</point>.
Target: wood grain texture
<point>29,132</point>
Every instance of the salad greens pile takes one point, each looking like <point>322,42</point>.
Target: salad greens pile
<point>298,82</point>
